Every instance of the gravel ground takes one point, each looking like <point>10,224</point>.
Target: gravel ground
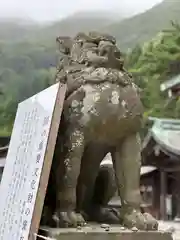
<point>174,227</point>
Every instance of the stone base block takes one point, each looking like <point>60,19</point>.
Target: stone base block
<point>98,233</point>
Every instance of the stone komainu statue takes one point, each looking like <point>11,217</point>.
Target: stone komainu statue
<point>102,114</point>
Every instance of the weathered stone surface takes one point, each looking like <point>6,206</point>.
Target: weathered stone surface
<point>102,113</point>
<point>98,233</point>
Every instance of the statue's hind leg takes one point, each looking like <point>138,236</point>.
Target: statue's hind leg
<point>127,163</point>
<point>104,189</point>
<point>92,157</point>
<point>96,185</point>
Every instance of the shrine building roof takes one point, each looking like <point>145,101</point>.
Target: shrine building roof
<point>173,82</point>
<point>165,133</point>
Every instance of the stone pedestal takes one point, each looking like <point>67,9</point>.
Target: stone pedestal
<point>97,233</point>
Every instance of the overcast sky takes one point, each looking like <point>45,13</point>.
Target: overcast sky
<point>45,10</point>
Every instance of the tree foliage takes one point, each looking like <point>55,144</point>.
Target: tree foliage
<point>153,63</point>
<point>25,69</point>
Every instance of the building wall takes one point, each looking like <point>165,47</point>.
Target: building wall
<point>148,193</point>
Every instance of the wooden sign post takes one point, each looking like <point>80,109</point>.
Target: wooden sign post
<point>28,163</point>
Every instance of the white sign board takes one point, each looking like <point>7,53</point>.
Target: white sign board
<point>28,163</point>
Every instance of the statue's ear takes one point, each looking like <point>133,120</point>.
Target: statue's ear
<point>64,44</point>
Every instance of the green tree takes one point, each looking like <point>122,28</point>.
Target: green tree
<point>156,62</point>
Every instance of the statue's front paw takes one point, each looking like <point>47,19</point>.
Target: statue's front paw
<point>70,219</point>
<point>152,223</point>
<point>135,219</point>
<point>54,221</point>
